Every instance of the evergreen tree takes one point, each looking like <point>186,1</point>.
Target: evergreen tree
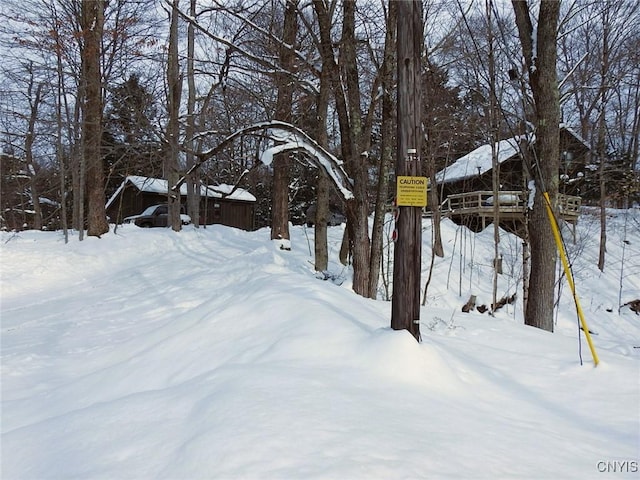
<point>129,141</point>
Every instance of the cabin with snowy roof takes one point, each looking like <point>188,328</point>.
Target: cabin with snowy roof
<point>219,204</point>
<point>466,186</point>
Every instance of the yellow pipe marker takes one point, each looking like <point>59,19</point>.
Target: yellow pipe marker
<point>567,272</point>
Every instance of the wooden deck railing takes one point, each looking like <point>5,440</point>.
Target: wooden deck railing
<point>511,203</point>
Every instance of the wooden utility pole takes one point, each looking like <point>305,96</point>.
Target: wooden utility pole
<point>405,305</point>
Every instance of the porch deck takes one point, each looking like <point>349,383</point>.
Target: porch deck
<point>475,209</point>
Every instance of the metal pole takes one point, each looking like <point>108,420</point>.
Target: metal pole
<point>567,271</point>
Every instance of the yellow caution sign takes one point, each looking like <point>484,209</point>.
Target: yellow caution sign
<point>411,191</point>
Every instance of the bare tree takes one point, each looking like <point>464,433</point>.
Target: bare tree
<point>35,93</point>
<point>247,48</point>
<point>22,130</point>
<point>493,139</point>
<point>386,75</point>
<point>193,185</point>
<point>322,182</point>
<point>59,100</point>
<point>540,59</point>
<point>601,149</point>
<point>599,60</point>
<point>63,39</point>
<point>174,90</point>
<point>281,164</point>
<point>92,23</point>
<point>346,90</point>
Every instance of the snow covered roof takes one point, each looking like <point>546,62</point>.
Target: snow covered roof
<point>478,161</point>
<point>160,185</point>
<point>223,189</point>
<point>564,126</point>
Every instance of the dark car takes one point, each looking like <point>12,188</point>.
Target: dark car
<point>335,218</point>
<point>156,216</point>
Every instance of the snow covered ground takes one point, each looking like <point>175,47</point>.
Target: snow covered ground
<point>211,353</point>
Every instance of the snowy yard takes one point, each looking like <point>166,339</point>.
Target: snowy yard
<point>210,353</point>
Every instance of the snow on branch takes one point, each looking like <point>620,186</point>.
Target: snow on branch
<point>285,138</point>
<point>269,67</point>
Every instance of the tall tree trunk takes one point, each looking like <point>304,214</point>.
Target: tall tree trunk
<point>600,152</point>
<point>541,66</point>
<point>436,216</point>
<point>633,155</point>
<point>433,198</point>
<point>495,165</point>
<point>92,23</point>
<point>526,257</point>
<point>77,189</point>
<point>350,122</point>
<point>76,159</point>
<point>193,182</point>
<point>59,152</point>
<point>321,248</point>
<point>34,103</point>
<point>174,82</point>
<point>386,149</point>
<point>282,162</point>
<point>358,210</point>
<point>601,132</point>
<point>323,183</point>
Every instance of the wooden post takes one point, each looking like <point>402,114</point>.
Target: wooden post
<point>407,262</point>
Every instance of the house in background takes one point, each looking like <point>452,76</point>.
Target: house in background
<point>466,186</point>
<point>217,204</point>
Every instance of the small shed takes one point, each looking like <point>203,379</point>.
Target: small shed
<point>217,204</point>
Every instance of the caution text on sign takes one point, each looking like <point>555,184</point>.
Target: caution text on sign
<point>411,191</point>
